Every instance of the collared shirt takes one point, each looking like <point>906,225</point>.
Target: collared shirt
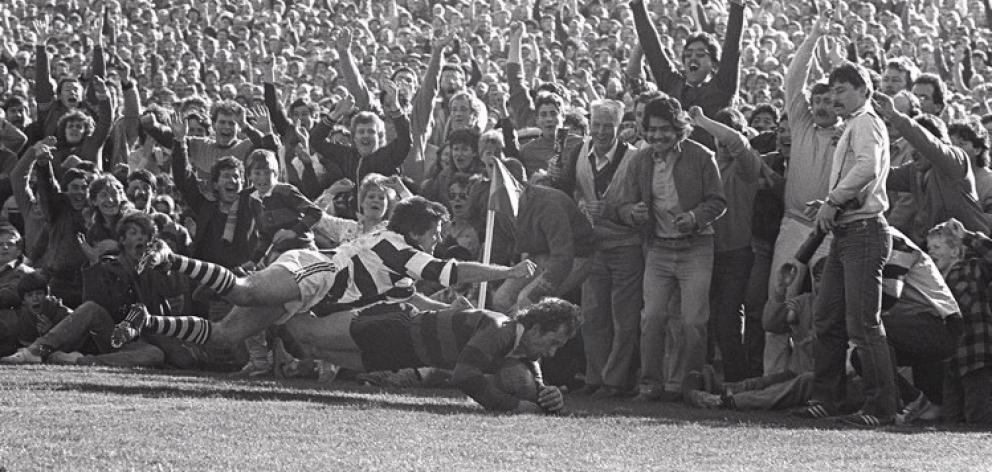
<point>602,161</point>
<point>665,197</point>
<point>861,166</point>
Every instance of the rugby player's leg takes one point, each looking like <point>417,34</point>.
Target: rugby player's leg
<point>327,338</point>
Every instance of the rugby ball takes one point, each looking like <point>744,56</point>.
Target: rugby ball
<point>515,378</point>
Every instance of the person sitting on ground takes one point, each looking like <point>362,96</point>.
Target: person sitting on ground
<point>37,313</point>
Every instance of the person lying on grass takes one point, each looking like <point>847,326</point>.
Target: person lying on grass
<point>474,344</point>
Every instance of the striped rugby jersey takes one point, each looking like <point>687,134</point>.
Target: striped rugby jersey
<point>381,266</point>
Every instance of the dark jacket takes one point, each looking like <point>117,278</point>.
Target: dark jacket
<point>115,286</point>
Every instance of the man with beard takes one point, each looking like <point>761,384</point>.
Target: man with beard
<point>675,197</point>
<point>370,153</point>
<point>228,121</point>
<point>111,287</point>
<point>16,112</point>
<point>814,128</point>
<point>704,83</point>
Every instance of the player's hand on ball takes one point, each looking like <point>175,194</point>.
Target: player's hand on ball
<point>526,268</point>
<point>551,399</point>
<point>528,407</point>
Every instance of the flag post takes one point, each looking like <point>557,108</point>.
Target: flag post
<point>487,252</point>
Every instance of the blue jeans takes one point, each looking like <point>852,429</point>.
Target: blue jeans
<point>611,309</point>
<point>848,307</point>
<point>669,272</point>
<point>728,290</point>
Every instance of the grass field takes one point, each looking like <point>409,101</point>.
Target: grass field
<point>93,419</point>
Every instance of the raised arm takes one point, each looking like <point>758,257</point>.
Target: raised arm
<point>662,66</point>
<point>946,158</point>
<point>104,119</point>
<point>184,175</point>
<point>280,121</point>
<point>727,77</point>
<point>798,72</point>
<point>44,90</point>
<point>520,102</point>
<point>737,144</point>
<point>349,71</point>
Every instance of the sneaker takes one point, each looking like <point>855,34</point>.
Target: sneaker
<point>913,410</point>
<point>156,255</point>
<point>704,400</point>
<point>932,412</point>
<point>129,329</point>
<point>865,420</point>
<point>22,356</point>
<point>813,410</point>
<point>66,358</point>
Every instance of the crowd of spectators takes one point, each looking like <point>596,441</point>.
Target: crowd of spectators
<point>680,162</point>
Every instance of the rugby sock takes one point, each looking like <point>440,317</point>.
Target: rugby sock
<point>187,328</point>
<point>214,276</point>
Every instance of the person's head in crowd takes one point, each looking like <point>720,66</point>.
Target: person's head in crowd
<point>604,124</point>
<point>11,245</point>
<point>550,111</point>
<point>70,92</point>
<point>944,246</point>
<point>369,132</point>
<point>764,118</point>
<point>375,197</point>
<point>850,88</point>
<point>491,145</point>
<point>134,231</point>
<point>262,166</point>
<point>452,79</point>
<point>459,190</point>
<point>106,196</point>
<point>899,75</point>
<point>197,125</point>
<point>141,188</point>
<point>464,146</point>
<point>75,184</point>
<point>16,111</point>
<point>548,325</point>
<point>701,54</point>
<point>227,176</point>
<point>821,105</point>
<point>226,116</point>
<point>932,92</point>
<point>973,139</point>
<point>33,290</point>
<point>73,128</point>
<point>303,112</point>
<point>575,121</point>
<point>419,220</point>
<point>466,111</point>
<point>666,125</point>
<point>640,102</point>
<point>907,104</point>
<point>164,204</point>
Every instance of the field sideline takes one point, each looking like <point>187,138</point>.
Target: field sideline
<point>89,419</point>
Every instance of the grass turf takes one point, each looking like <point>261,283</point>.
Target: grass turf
<point>74,418</point>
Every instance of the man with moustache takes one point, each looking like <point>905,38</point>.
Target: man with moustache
<point>674,197</point>
<point>814,128</point>
<point>710,80</point>
<point>595,173</point>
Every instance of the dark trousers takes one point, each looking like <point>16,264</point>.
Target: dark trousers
<point>968,398</point>
<point>924,343</point>
<point>728,289</point>
<point>849,308</point>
